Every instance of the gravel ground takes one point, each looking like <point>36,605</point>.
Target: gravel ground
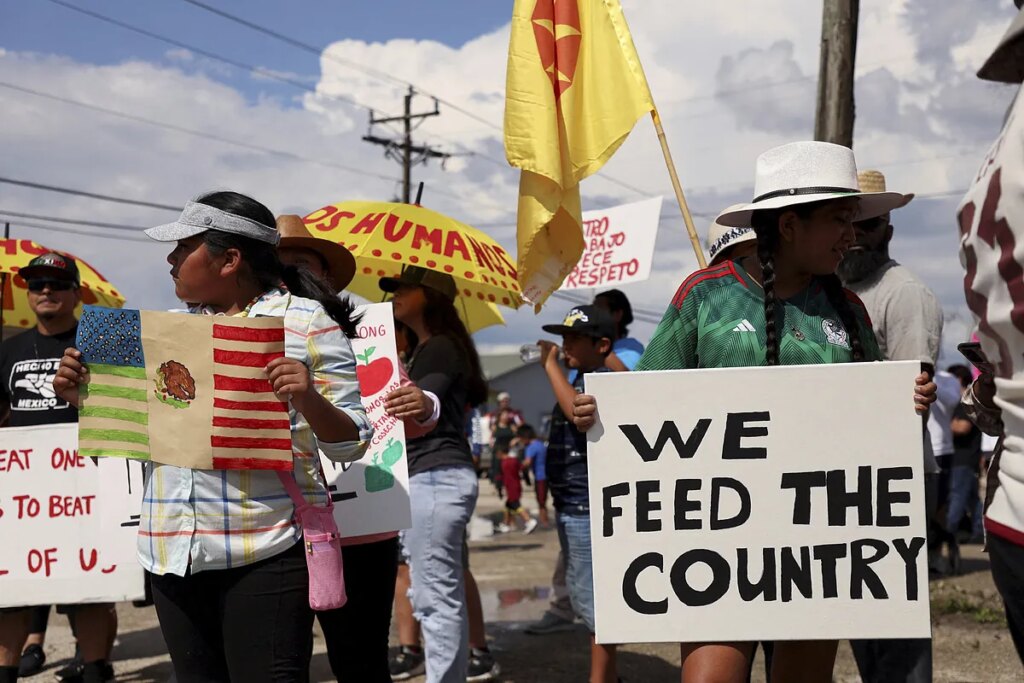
<point>971,642</point>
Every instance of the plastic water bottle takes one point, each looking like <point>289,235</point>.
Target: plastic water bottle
<point>529,353</point>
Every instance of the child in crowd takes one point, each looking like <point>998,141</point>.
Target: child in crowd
<point>510,469</point>
<point>535,452</point>
<point>587,336</point>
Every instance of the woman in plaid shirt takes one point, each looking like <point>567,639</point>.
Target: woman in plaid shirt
<point>229,575</point>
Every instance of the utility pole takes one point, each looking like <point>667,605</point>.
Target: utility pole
<point>833,120</point>
<point>404,151</point>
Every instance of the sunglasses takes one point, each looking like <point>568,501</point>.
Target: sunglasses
<point>53,285</point>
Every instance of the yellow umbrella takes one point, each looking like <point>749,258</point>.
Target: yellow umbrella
<point>384,237</point>
<point>15,254</point>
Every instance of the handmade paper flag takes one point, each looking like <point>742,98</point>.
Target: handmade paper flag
<point>185,390</point>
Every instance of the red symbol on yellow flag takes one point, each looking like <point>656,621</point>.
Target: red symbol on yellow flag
<point>556,25</point>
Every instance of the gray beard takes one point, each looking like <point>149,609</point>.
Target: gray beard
<point>859,265</point>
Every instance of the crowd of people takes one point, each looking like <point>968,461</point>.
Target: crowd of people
<point>802,274</point>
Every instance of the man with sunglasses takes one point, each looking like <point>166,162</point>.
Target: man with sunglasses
<point>907,321</point>
<point>28,363</point>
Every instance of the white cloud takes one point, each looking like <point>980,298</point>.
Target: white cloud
<point>923,119</point>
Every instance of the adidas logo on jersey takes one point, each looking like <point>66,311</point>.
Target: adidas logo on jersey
<point>744,326</point>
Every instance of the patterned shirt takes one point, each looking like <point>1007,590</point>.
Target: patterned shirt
<point>716,320</point>
<point>204,520</point>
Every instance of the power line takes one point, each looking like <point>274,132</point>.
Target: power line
<point>198,133</point>
<point>73,231</point>
<point>381,76</point>
<point>91,195</point>
<point>55,219</point>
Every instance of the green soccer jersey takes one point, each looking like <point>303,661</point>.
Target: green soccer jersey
<point>716,320</point>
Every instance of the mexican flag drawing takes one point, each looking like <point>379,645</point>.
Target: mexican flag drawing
<point>184,390</point>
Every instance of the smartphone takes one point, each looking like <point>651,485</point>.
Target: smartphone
<point>973,353</point>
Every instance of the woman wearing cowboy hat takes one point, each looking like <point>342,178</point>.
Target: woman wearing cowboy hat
<point>356,635</point>
<point>784,306</point>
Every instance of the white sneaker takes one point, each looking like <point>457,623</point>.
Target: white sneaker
<point>503,528</point>
<point>530,526</point>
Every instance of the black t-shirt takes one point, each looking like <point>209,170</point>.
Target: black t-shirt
<point>966,448</point>
<point>28,364</point>
<point>439,366</point>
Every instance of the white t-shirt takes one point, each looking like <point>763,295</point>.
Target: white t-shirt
<point>992,252</point>
<point>940,419</point>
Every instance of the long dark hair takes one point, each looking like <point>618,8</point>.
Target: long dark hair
<point>441,318</point>
<point>766,226</point>
<point>265,266</point>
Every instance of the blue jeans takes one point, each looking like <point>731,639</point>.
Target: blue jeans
<point>963,496</point>
<point>442,502</point>
<point>574,537</point>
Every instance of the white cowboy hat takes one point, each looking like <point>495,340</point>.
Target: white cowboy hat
<point>721,237</point>
<point>805,172</point>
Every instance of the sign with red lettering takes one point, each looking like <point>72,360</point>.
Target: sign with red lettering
<point>68,522</point>
<point>619,245</point>
<point>371,495</point>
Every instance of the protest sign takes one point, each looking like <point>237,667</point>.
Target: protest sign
<point>184,390</point>
<point>372,494</point>
<point>68,522</point>
<point>619,245</point>
<point>758,504</point>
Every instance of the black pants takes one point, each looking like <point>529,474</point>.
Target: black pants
<point>1008,572</point>
<point>357,634</point>
<point>251,624</point>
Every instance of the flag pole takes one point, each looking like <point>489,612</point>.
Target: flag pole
<point>683,207</point>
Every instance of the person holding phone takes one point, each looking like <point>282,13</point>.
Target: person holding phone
<point>991,221</point>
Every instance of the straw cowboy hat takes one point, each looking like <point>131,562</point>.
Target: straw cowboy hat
<point>1006,63</point>
<point>341,265</point>
<point>805,172</point>
<point>721,237</point>
<point>874,181</point>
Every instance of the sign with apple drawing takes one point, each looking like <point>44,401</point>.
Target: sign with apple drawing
<point>371,495</point>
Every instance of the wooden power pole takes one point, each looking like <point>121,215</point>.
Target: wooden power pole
<point>403,150</point>
<point>833,120</point>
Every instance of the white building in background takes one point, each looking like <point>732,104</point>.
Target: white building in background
<point>526,383</point>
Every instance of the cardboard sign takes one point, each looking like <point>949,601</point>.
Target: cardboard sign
<point>758,504</point>
<point>372,494</point>
<point>185,390</point>
<point>68,522</point>
<point>619,245</point>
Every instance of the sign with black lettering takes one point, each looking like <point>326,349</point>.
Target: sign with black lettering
<point>68,522</point>
<point>758,504</point>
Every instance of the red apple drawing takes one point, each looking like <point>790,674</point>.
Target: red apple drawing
<point>373,376</point>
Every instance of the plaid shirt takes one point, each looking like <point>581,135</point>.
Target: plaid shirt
<point>229,518</point>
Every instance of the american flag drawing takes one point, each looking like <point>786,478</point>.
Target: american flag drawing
<point>184,390</point>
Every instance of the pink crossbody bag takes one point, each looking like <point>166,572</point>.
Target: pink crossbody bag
<point>322,543</point>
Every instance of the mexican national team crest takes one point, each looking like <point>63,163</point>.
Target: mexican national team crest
<point>835,334</point>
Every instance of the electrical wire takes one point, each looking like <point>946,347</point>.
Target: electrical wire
<point>73,231</point>
<point>91,195</point>
<point>97,224</point>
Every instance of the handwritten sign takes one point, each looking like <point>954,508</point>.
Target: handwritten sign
<point>619,245</point>
<point>68,522</point>
<point>372,494</point>
<point>759,504</point>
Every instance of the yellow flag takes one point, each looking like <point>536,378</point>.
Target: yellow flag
<point>574,90</point>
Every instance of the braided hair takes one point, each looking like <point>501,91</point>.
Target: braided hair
<point>766,227</point>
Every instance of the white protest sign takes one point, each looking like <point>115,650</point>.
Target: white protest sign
<point>758,504</point>
<point>619,245</point>
<point>68,523</point>
<point>372,494</point>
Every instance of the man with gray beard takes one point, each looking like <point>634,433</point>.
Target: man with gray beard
<point>907,321</point>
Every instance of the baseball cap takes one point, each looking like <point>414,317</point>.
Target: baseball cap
<point>51,264</point>
<point>197,218</point>
<point>590,321</point>
<point>420,277</point>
